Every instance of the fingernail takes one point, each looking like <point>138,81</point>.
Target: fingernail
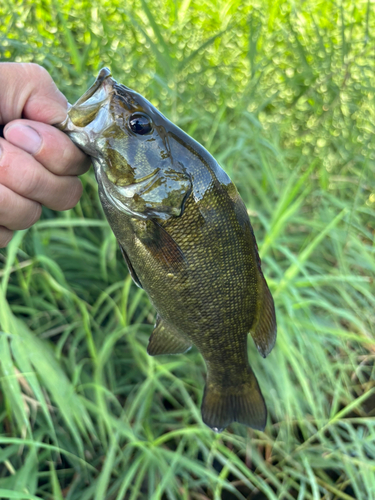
<point>24,137</point>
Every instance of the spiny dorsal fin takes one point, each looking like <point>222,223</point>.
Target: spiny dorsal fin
<point>164,340</point>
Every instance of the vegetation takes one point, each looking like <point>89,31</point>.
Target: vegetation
<point>283,94</point>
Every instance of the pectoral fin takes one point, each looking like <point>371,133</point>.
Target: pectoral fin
<point>130,267</point>
<point>165,340</point>
<point>163,247</point>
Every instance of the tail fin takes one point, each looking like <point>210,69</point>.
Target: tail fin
<point>242,403</point>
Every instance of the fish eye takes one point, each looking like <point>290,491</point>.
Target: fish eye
<point>140,124</point>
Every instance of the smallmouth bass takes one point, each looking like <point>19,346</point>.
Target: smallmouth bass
<point>187,240</point>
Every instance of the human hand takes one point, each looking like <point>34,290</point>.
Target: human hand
<point>39,164</point>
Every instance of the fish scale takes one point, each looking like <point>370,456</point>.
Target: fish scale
<point>187,240</point>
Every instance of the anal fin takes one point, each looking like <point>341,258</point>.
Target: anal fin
<point>164,340</point>
<point>264,331</point>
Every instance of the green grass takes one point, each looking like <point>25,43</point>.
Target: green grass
<point>282,94</point>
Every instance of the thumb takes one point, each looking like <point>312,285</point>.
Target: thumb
<point>28,91</point>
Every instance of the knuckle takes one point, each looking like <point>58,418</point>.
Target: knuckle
<point>29,179</point>
<point>32,216</point>
<point>36,71</point>
<point>85,163</point>
<point>16,212</point>
<point>5,237</point>
<point>68,157</point>
<point>30,183</point>
<point>4,198</point>
<point>73,195</point>
<point>72,159</point>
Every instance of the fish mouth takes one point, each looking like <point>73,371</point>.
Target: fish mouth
<point>89,106</point>
<point>102,81</point>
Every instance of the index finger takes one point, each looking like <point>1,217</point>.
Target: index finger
<point>28,91</point>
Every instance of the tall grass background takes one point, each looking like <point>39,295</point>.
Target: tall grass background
<point>282,93</point>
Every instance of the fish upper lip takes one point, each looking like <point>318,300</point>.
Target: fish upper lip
<point>104,74</point>
<point>96,96</point>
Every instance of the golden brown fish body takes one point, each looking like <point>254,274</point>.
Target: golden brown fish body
<point>187,239</point>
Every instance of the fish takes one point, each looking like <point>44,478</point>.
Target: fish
<point>187,240</point>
